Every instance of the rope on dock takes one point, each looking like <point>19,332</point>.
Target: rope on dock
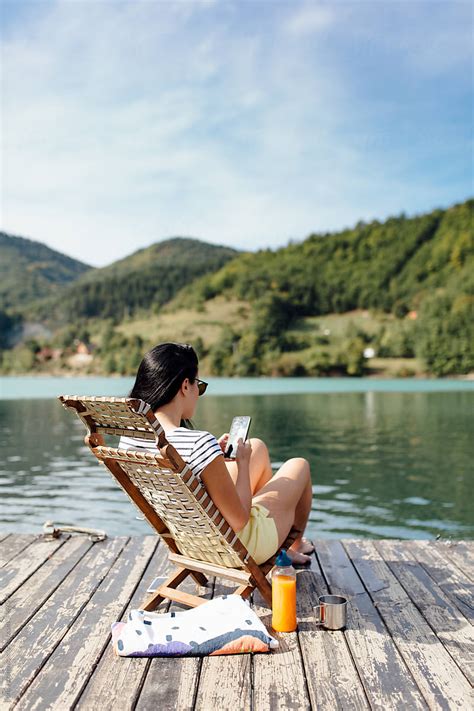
<point>52,531</point>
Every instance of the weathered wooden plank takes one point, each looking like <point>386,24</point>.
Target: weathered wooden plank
<point>170,683</point>
<point>27,600</point>
<point>452,628</point>
<point>3,536</point>
<point>437,676</point>
<point>414,574</point>
<point>20,568</point>
<point>455,584</point>
<point>13,545</point>
<point>68,669</point>
<point>337,568</point>
<point>30,649</point>
<point>278,678</point>
<point>326,656</point>
<point>381,668</point>
<point>116,681</point>
<point>225,681</point>
<point>461,553</point>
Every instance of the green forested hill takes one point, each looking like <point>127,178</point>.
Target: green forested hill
<point>146,280</point>
<point>30,270</point>
<point>399,289</point>
<point>423,264</point>
<point>390,266</point>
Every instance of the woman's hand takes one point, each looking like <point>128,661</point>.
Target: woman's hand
<point>243,452</point>
<point>223,439</point>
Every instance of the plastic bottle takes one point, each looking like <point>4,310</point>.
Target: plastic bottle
<point>284,594</point>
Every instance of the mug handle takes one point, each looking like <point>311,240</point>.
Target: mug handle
<point>319,611</point>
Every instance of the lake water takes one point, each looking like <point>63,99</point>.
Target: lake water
<point>389,458</point>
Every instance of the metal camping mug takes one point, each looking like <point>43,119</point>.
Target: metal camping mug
<point>331,612</point>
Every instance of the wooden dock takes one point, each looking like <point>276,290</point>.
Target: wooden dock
<point>408,644</point>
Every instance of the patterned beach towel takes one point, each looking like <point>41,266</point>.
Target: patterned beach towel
<point>224,625</point>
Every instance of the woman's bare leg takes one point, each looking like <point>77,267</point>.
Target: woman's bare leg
<point>288,497</point>
<point>302,546</point>
<point>260,468</point>
<point>261,474</point>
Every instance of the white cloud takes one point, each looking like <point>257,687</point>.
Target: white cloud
<point>311,18</point>
<point>126,123</point>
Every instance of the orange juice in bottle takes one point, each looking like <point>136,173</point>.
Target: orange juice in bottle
<point>283,594</point>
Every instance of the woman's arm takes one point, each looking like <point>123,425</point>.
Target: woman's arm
<point>242,483</point>
<point>232,500</point>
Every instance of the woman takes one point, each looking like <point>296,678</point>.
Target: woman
<point>260,508</point>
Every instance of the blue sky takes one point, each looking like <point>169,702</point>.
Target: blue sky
<point>242,123</point>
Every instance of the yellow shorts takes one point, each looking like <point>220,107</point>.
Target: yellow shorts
<point>260,535</point>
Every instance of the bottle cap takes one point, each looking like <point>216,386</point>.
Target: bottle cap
<point>283,559</point>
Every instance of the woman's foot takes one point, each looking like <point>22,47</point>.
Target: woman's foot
<point>298,558</point>
<point>300,551</point>
<point>305,546</point>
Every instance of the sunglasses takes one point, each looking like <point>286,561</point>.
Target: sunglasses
<point>202,386</point>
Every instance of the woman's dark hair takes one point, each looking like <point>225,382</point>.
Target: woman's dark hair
<point>161,374</point>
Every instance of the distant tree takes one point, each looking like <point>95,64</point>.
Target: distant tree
<point>352,356</point>
<point>7,325</point>
<point>221,353</point>
<point>445,334</point>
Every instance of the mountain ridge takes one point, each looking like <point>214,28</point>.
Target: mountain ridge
<point>29,269</point>
<point>147,278</point>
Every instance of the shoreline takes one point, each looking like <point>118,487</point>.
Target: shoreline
<point>31,387</point>
<point>116,376</point>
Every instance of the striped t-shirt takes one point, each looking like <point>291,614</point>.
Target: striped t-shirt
<point>197,447</point>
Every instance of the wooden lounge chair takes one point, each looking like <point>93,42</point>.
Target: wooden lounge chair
<point>172,499</point>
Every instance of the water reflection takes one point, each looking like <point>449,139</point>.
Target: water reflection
<point>383,464</point>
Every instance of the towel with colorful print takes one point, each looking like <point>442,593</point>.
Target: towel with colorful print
<point>224,625</point>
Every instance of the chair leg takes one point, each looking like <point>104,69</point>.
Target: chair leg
<point>153,600</point>
<point>199,578</point>
<point>244,591</point>
<point>265,590</point>
<point>260,581</point>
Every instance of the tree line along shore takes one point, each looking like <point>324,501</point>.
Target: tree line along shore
<point>387,299</point>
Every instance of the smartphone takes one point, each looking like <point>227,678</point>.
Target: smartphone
<point>239,429</point>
